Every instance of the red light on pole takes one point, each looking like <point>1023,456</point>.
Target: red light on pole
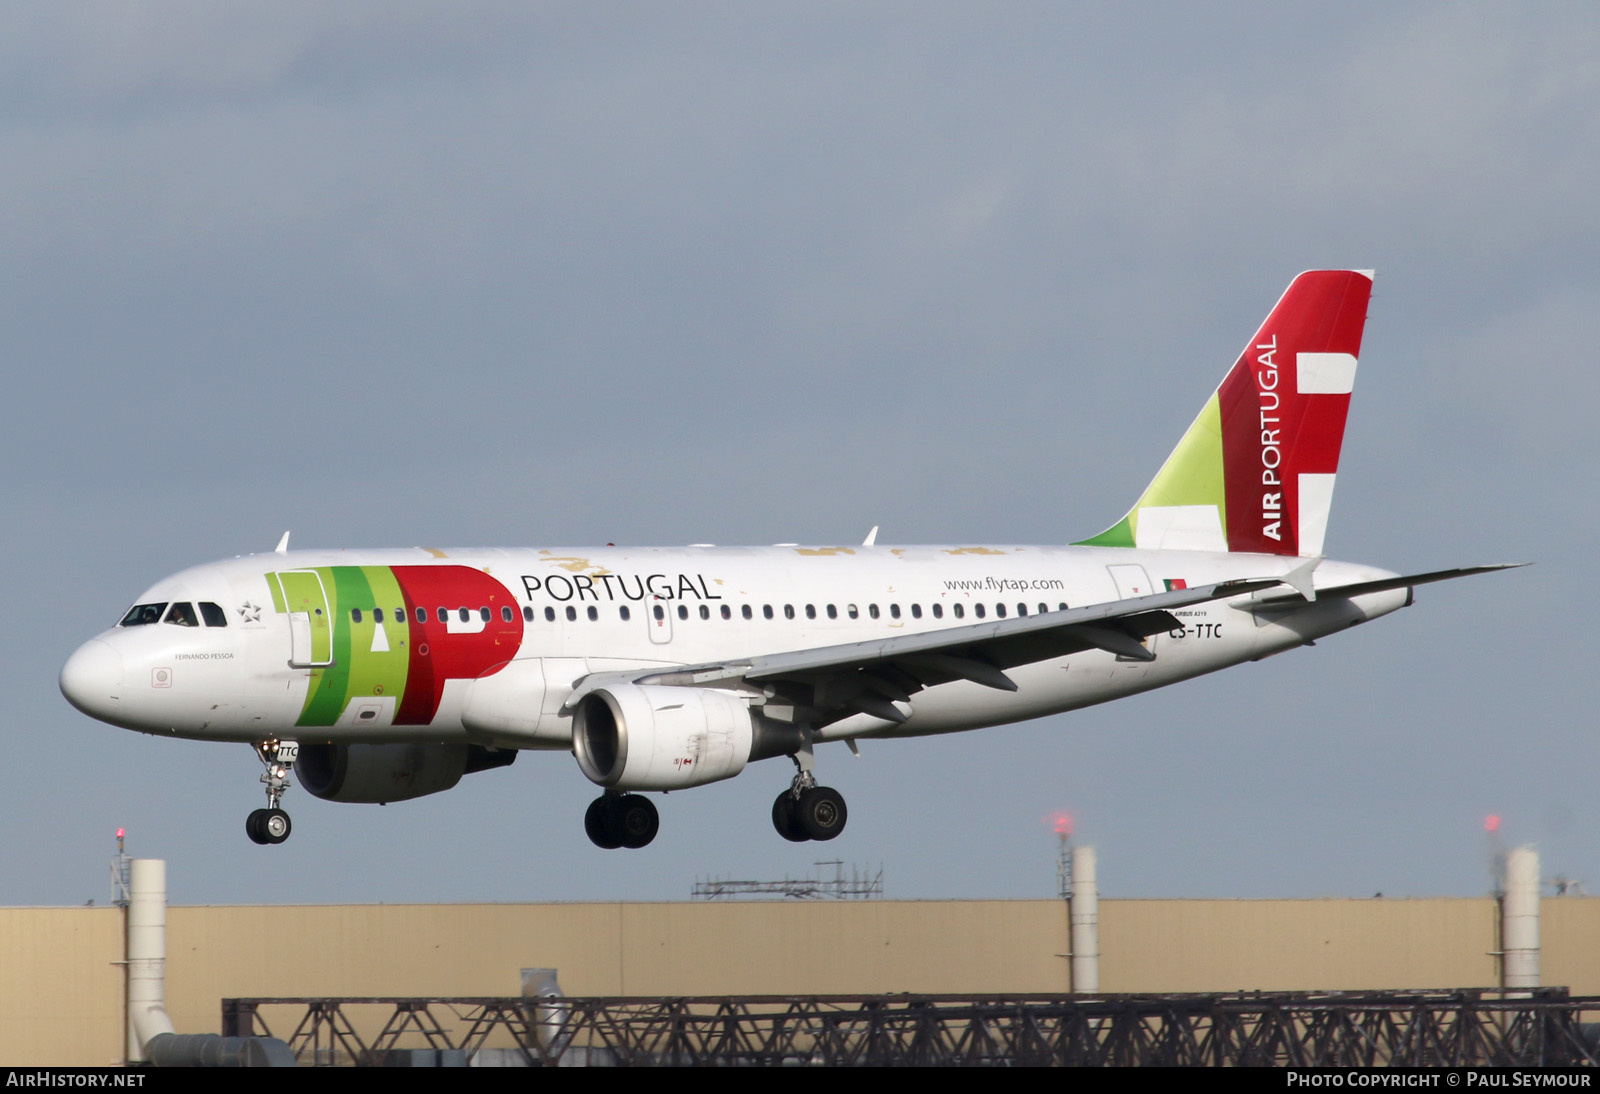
<point>1491,823</point>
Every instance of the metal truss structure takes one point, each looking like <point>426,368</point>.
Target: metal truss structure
<point>858,886</point>
<point>1373,1029</point>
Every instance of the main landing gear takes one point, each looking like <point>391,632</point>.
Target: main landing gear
<point>807,811</point>
<point>621,820</point>
<point>271,825</point>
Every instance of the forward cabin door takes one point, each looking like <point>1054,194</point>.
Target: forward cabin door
<point>305,599</point>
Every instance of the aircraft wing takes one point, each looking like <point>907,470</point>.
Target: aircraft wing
<point>832,682</point>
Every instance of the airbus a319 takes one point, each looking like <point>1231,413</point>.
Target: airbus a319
<point>383,675</point>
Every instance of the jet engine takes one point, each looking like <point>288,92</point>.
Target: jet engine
<point>654,737</point>
<point>390,773</point>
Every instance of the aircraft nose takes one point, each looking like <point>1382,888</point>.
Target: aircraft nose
<point>92,679</point>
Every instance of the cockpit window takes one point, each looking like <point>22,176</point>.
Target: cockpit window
<point>182,613</point>
<point>213,614</point>
<point>140,614</point>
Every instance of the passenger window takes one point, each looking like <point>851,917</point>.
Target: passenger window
<point>527,614</point>
<point>1000,611</point>
<point>594,613</point>
<point>377,614</point>
<point>894,611</point>
<point>1063,605</point>
<point>788,612</point>
<point>850,609</point>
<point>483,614</point>
<point>705,612</point>
<point>746,612</point>
<point>727,613</point>
<point>549,615</point>
<point>683,611</point>
<point>213,614</point>
<point>957,610</point>
<point>422,615</point>
<point>141,614</point>
<point>465,614</point>
<point>355,615</point>
<point>766,611</point>
<point>833,613</point>
<point>623,612</point>
<point>938,611</point>
<point>182,614</point>
<point>660,613</point>
<point>505,613</point>
<point>444,615</point>
<point>1044,609</point>
<point>572,614</point>
<point>916,611</point>
<point>1022,609</point>
<point>977,610</point>
<point>872,610</point>
<point>811,611</point>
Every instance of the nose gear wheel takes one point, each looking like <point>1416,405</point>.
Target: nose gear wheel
<point>268,826</point>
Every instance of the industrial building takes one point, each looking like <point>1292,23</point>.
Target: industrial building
<point>64,1001</point>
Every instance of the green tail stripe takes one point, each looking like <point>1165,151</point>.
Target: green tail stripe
<point>1192,475</point>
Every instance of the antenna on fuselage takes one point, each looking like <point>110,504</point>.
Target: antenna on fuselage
<point>872,537</point>
<point>283,545</point>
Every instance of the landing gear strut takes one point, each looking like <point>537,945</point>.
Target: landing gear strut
<point>271,825</point>
<point>621,820</point>
<point>807,811</point>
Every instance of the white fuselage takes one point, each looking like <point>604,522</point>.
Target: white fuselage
<point>486,645</point>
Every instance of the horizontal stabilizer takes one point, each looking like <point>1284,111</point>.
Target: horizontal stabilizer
<point>1384,584</point>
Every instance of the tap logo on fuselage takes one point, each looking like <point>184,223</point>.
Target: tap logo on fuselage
<point>394,633</point>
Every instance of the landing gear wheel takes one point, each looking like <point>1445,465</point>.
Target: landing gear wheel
<point>267,826</point>
<point>597,822</point>
<point>821,813</point>
<point>275,825</point>
<point>636,820</point>
<point>783,819</point>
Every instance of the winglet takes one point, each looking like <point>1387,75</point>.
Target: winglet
<point>1299,578</point>
<point>283,545</point>
<point>872,537</point>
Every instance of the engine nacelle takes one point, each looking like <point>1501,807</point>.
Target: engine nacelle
<point>652,737</point>
<point>374,774</point>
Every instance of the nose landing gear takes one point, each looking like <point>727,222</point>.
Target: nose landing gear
<point>271,825</point>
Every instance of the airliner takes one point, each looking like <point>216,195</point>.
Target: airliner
<point>383,675</point>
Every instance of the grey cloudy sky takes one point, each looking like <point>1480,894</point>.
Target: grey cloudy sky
<point>516,274</point>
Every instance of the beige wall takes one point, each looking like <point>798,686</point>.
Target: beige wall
<point>61,989</point>
<point>60,986</point>
<point>1288,945</point>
